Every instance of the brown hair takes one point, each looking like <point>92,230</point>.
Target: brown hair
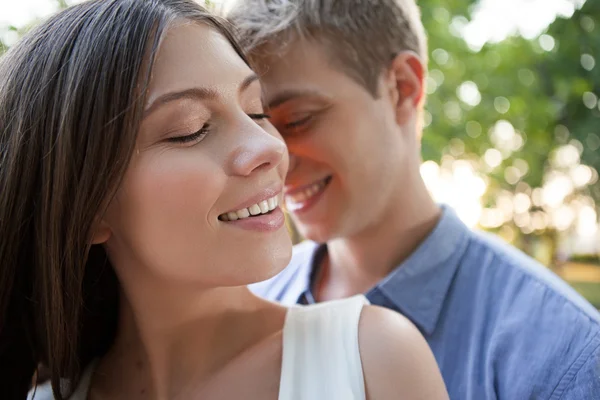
<point>72,92</point>
<point>363,36</point>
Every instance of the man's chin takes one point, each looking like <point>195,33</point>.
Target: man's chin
<point>319,233</point>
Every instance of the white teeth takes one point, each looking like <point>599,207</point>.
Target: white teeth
<point>262,207</point>
<point>232,216</point>
<point>243,213</point>
<point>302,196</point>
<point>254,209</point>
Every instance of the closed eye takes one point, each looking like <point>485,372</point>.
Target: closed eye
<point>194,137</point>
<point>298,123</point>
<point>258,117</point>
<point>199,135</point>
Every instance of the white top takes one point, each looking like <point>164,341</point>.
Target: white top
<point>321,357</point>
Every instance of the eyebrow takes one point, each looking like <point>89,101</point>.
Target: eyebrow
<point>291,94</point>
<point>194,94</point>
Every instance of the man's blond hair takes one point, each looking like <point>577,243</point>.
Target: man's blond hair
<point>361,36</point>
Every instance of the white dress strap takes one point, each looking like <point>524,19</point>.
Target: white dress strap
<point>44,391</point>
<point>321,357</point>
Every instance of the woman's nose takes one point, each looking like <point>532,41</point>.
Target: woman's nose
<point>256,150</point>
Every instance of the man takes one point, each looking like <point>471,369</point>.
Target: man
<point>344,84</point>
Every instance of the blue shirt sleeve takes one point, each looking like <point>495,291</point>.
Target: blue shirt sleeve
<point>582,381</point>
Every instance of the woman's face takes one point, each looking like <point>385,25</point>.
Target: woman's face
<point>206,161</point>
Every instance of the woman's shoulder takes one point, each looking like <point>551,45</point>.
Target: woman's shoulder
<point>386,324</point>
<point>396,358</point>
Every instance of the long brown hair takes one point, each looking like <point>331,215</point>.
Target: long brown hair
<point>72,92</point>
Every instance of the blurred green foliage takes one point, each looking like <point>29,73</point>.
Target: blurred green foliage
<point>548,95</point>
<point>589,290</point>
<point>592,259</point>
<point>544,88</point>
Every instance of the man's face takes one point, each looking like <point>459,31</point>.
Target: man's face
<point>348,153</point>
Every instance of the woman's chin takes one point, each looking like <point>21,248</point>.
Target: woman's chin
<point>271,261</point>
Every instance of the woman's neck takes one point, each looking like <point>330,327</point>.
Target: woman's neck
<point>169,337</point>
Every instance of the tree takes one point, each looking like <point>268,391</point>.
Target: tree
<point>523,113</point>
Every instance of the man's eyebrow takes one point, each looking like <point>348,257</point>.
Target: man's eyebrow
<point>291,94</point>
<point>250,79</point>
<point>194,94</point>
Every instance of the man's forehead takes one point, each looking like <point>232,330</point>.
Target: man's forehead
<point>295,71</point>
<point>294,55</point>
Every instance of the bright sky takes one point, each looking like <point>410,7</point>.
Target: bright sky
<point>493,20</point>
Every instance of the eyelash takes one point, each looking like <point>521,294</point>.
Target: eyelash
<point>258,117</point>
<point>190,138</point>
<point>204,130</point>
<point>298,123</point>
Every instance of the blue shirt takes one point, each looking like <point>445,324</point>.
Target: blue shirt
<point>501,326</point>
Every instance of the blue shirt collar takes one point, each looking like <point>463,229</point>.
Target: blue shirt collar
<point>418,287</point>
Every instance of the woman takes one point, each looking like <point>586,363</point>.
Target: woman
<point>141,183</point>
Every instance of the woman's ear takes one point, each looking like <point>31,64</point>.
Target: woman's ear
<point>406,84</point>
<point>101,232</point>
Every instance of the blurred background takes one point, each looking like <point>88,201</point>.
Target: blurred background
<point>512,123</point>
